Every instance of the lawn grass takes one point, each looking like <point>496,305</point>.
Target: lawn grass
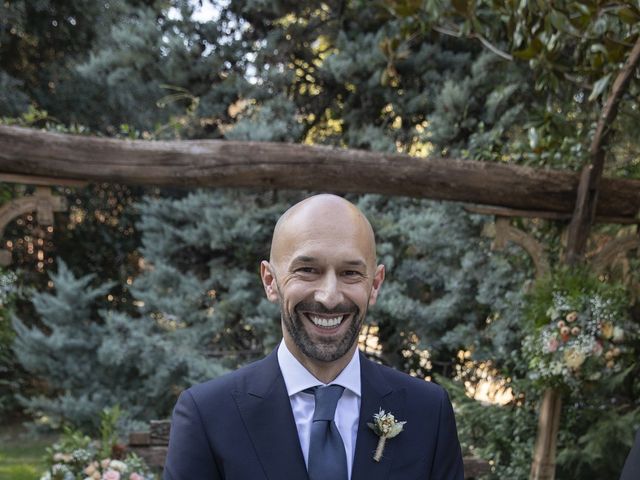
<point>21,455</point>
<point>24,461</point>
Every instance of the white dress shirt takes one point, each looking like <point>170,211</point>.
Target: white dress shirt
<point>297,379</point>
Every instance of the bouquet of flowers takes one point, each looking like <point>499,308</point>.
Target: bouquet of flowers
<point>580,330</point>
<point>78,457</point>
<point>84,464</point>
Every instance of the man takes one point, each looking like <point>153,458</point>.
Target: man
<point>631,469</point>
<point>269,421</point>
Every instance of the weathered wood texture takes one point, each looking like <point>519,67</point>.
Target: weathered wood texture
<point>613,250</point>
<point>543,466</point>
<point>154,456</point>
<point>475,467</point>
<point>218,163</point>
<point>43,203</point>
<point>504,233</point>
<point>159,432</point>
<point>152,447</point>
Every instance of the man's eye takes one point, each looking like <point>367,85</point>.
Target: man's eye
<point>352,273</point>
<point>306,270</point>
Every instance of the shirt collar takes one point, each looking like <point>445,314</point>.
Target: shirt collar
<point>297,378</point>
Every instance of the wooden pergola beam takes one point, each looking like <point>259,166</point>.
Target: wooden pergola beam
<point>559,216</point>
<point>217,163</point>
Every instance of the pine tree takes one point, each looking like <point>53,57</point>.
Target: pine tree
<point>92,359</point>
<point>443,283</point>
<point>64,351</point>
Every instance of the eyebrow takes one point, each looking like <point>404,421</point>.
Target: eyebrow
<point>303,259</point>
<point>356,263</point>
<point>307,259</point>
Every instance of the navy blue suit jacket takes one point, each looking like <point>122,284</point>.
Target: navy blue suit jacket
<point>631,468</point>
<point>240,426</point>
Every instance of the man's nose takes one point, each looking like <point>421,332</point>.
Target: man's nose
<point>328,292</point>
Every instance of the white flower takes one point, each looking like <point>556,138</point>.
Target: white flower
<point>118,465</point>
<point>618,334</point>
<point>62,457</point>
<point>555,368</point>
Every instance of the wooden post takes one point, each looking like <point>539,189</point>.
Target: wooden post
<point>544,457</point>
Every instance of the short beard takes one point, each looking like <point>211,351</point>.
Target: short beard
<point>322,351</point>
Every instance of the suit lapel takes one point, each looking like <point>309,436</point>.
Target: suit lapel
<point>266,411</point>
<point>376,394</point>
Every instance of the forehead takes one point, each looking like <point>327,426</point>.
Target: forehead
<point>325,235</point>
<point>326,247</point>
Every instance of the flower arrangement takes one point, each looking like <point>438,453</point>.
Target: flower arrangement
<point>84,464</point>
<point>580,329</point>
<point>78,457</point>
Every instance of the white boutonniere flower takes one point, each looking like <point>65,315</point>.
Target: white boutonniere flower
<point>385,426</point>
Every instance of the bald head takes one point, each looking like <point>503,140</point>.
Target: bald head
<point>321,216</point>
<point>323,273</point>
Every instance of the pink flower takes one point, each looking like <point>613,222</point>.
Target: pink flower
<point>597,349</point>
<point>111,475</point>
<point>552,346</point>
<point>136,476</point>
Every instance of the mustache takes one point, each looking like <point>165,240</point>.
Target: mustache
<point>317,307</point>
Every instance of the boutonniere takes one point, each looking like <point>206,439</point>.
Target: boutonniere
<point>385,426</point>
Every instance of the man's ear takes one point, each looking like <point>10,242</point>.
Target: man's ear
<point>269,281</point>
<point>378,278</point>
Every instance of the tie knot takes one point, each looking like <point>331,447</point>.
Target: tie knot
<point>326,401</point>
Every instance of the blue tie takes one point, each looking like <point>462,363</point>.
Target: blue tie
<point>327,457</point>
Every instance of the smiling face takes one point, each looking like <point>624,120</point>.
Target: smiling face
<point>322,272</point>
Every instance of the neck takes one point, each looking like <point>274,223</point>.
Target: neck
<point>326,372</point>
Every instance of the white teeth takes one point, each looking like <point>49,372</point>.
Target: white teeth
<point>326,322</point>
